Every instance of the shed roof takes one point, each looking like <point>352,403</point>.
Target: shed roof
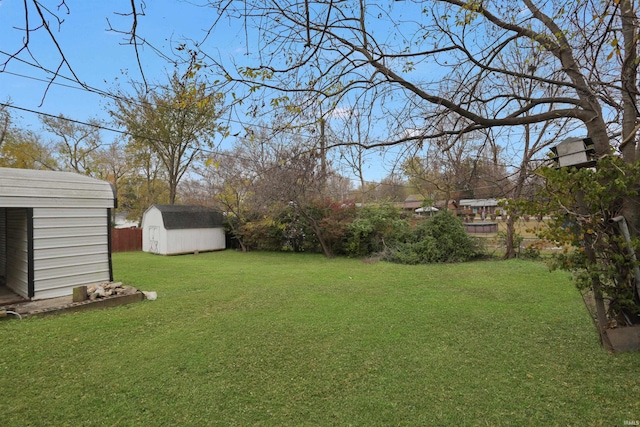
<point>176,217</point>
<point>478,202</point>
<point>44,188</point>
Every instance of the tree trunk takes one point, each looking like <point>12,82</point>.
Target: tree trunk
<point>173,187</point>
<point>511,231</point>
<point>629,148</point>
<point>317,231</point>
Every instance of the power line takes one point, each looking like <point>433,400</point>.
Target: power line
<point>90,89</point>
<point>137,136</point>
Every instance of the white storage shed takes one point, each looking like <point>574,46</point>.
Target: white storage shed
<point>179,229</point>
<point>54,232</point>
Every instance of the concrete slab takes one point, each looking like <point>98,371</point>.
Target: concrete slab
<point>66,304</point>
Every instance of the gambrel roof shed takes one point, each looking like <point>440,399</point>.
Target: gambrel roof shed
<point>180,229</point>
<point>54,231</point>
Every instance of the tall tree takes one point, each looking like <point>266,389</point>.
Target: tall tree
<point>176,121</point>
<point>231,177</point>
<point>145,184</point>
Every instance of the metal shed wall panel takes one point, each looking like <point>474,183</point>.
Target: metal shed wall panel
<point>61,286</point>
<point>55,232</point>
<point>70,248</point>
<point>62,243</point>
<point>54,252</point>
<point>17,252</point>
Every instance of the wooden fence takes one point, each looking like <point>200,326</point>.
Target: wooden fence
<point>126,239</point>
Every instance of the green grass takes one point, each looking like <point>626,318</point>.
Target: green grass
<point>286,339</point>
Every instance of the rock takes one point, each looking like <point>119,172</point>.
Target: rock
<point>128,290</point>
<point>151,296</point>
<point>113,285</point>
<point>107,289</point>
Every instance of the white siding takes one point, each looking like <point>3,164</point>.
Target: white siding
<point>157,239</point>
<point>71,248</point>
<point>193,239</point>
<point>17,252</point>
<point>63,286</point>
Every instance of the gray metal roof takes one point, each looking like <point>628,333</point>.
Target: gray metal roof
<point>42,188</point>
<point>478,202</point>
<point>176,217</point>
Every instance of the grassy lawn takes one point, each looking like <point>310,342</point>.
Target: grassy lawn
<point>286,339</point>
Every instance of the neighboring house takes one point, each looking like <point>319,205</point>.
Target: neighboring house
<point>54,232</point>
<point>480,207</point>
<point>412,202</point>
<point>175,229</point>
<point>416,201</point>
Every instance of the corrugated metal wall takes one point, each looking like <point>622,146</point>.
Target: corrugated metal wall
<point>17,263</point>
<point>70,248</point>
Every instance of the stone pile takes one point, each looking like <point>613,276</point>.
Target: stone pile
<point>107,289</point>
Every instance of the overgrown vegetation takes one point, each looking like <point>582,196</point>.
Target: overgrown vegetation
<point>380,230</point>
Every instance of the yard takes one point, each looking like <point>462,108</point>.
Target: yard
<point>292,339</point>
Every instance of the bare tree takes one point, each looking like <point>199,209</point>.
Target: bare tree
<point>75,143</point>
<point>392,188</point>
<point>351,132</point>
<point>112,163</point>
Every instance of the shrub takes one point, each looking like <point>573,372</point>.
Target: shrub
<point>373,229</point>
<point>264,234</point>
<point>439,239</point>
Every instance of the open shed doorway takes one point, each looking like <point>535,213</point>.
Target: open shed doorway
<point>14,265</point>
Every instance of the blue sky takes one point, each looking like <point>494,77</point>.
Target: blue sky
<point>102,59</point>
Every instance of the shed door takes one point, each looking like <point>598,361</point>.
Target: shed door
<point>154,234</point>
<point>17,252</point>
